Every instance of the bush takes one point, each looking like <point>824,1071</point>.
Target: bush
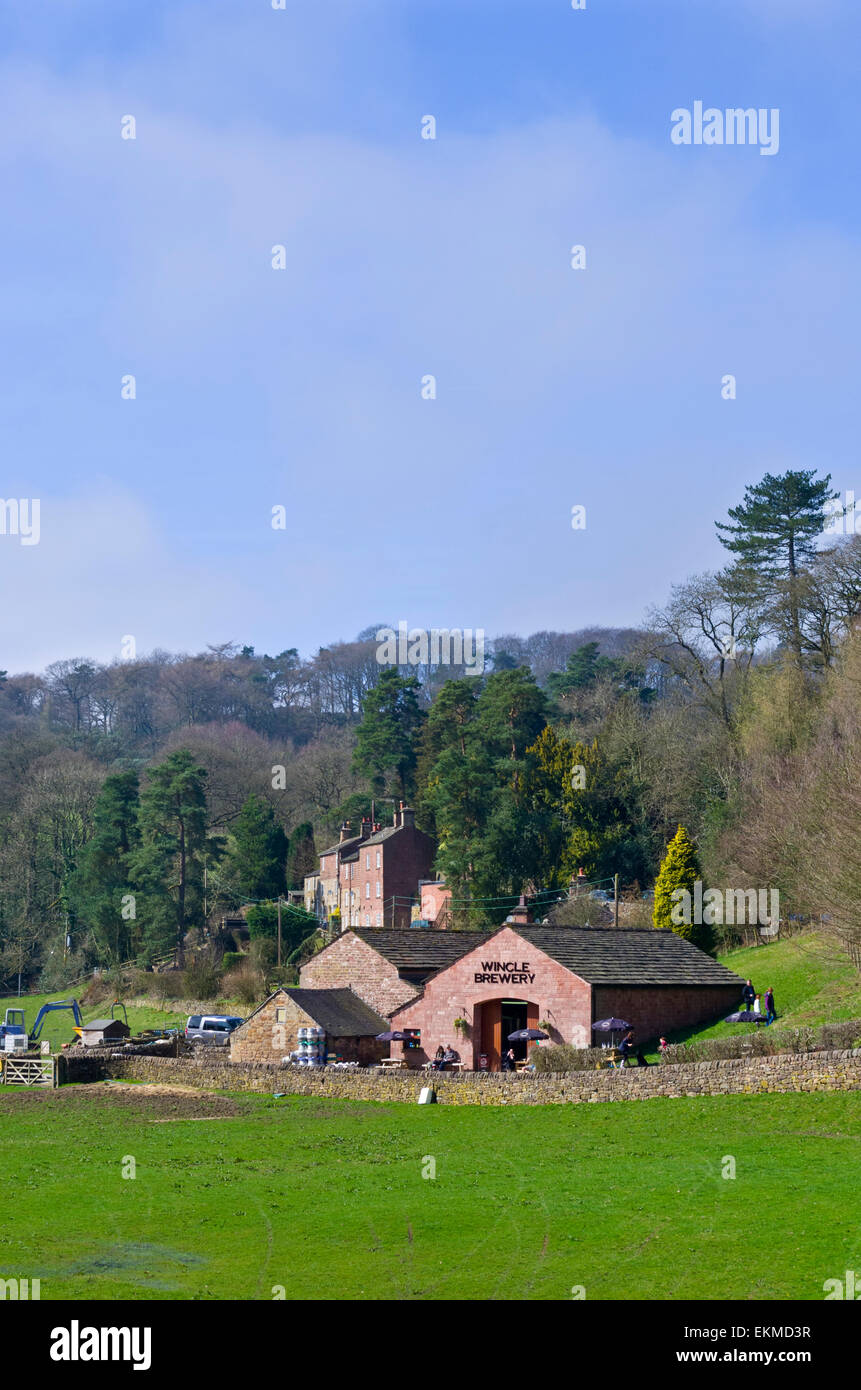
<point>566,1057</point>
<point>248,986</point>
<point>202,979</point>
<point>765,1042</point>
<point>232,960</point>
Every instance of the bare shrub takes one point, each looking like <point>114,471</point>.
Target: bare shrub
<point>248,986</point>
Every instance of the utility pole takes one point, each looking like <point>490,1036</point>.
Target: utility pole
<point>279,933</point>
<point>616,900</point>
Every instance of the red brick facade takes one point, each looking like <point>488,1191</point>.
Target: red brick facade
<point>555,995</point>
<point>656,1009</point>
<point>350,963</point>
<point>373,878</point>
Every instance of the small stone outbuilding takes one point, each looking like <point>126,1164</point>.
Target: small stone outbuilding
<point>272,1031</point>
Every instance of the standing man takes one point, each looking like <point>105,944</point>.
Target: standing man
<point>769,1006</point>
<point>748,994</point>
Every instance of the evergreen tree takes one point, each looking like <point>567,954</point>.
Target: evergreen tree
<point>302,859</point>
<point>259,851</point>
<point>167,866</point>
<point>386,739</point>
<point>680,871</point>
<point>775,530</point>
<point>101,880</point>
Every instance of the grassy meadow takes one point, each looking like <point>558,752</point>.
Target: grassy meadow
<point>236,1195</point>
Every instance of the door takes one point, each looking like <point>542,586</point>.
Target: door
<point>491,1033</point>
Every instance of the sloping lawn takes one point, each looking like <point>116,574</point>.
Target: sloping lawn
<point>236,1195</point>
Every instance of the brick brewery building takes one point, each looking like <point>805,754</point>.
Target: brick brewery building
<point>561,979</point>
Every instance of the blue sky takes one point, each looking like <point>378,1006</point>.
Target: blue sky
<point>405,256</point>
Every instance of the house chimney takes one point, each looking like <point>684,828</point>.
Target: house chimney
<point>346,832</point>
<point>408,815</point>
<point>366,827</point>
<point>520,915</point>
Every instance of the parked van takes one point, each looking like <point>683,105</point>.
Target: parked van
<point>211,1028</point>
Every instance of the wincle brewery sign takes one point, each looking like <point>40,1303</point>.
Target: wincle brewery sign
<point>507,972</point>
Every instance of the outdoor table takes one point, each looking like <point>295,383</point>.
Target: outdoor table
<point>393,1062</point>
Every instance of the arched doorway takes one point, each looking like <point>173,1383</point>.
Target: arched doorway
<point>496,1018</point>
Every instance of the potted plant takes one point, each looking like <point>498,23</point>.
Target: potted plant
<point>461,1025</point>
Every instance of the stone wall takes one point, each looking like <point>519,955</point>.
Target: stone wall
<point>811,1071</point>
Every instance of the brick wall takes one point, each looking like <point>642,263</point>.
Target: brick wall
<point>786,1072</point>
<point>349,961</point>
<point>562,1000</point>
<point>656,1010</point>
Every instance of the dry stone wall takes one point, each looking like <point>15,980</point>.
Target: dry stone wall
<point>818,1071</point>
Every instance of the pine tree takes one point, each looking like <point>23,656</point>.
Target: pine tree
<point>386,739</point>
<point>679,872</point>
<point>259,851</point>
<point>302,858</point>
<point>775,533</point>
<point>167,866</point>
<point>100,893</point>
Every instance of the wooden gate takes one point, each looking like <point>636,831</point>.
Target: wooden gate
<point>29,1071</point>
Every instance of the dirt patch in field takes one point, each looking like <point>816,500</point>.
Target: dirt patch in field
<point>155,1103</point>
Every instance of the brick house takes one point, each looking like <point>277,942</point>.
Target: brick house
<point>372,878</point>
<point>272,1031</point>
<point>562,979</point>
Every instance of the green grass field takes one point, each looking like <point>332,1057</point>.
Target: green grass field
<point>234,1195</point>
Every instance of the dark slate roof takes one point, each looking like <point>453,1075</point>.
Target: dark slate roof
<point>416,948</point>
<point>99,1024</point>
<point>605,956</point>
<point>342,845</point>
<point>341,1012</point>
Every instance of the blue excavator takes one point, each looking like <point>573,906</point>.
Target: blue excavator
<point>14,1026</point>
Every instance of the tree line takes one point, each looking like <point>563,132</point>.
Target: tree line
<point>156,785</point>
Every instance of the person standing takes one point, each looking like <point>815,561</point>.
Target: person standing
<point>508,1063</point>
<point>626,1047</point>
<point>769,1006</point>
<point>757,1007</point>
<point>748,994</point>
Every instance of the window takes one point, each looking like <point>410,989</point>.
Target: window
<point>379,857</point>
<point>379,889</point>
<point>367,890</point>
<point>368,859</point>
<point>379,919</point>
<point>367,919</point>
<point>280,1015</point>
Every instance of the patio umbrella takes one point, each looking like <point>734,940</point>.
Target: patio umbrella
<point>392,1037</point>
<point>527,1035</point>
<point>611,1025</point>
<point>745,1016</point>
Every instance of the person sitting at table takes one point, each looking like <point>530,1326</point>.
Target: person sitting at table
<point>508,1061</point>
<point>450,1056</point>
<point>439,1058</point>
